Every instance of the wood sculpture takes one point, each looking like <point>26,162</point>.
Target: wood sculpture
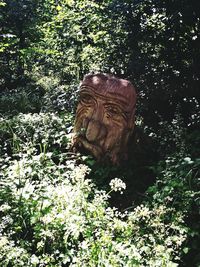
<point>105,116</point>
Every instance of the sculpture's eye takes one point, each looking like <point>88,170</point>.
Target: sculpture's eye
<point>86,99</point>
<point>114,111</point>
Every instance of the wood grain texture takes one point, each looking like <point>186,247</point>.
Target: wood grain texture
<point>105,116</point>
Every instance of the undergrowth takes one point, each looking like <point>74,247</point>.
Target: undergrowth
<point>55,205</point>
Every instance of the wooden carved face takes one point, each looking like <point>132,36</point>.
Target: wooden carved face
<point>105,116</point>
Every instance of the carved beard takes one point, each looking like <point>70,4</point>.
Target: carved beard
<point>101,129</point>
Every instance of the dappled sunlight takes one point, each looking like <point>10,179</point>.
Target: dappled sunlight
<point>100,189</point>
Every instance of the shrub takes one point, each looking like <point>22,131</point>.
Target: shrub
<point>27,132</point>
<point>23,99</point>
<point>178,186</point>
<point>60,99</point>
<point>52,216</point>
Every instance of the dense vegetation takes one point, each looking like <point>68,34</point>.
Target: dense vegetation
<point>60,208</point>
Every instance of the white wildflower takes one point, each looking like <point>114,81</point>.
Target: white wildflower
<point>34,259</point>
<point>5,207</point>
<point>79,172</point>
<point>3,241</point>
<point>188,160</point>
<point>117,184</point>
<point>84,245</point>
<point>40,244</point>
<point>47,219</point>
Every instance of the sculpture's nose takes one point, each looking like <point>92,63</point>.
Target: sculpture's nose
<point>96,130</point>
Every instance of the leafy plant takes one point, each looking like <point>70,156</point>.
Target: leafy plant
<point>178,187</point>
<point>52,215</point>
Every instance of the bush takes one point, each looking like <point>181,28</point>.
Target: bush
<point>23,99</point>
<point>60,99</point>
<point>27,132</point>
<point>178,186</point>
<point>52,216</point>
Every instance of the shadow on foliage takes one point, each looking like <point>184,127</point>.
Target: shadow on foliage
<point>136,172</point>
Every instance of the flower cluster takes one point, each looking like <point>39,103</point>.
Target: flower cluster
<point>117,184</point>
<point>52,215</point>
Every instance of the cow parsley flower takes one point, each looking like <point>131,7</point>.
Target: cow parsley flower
<point>34,260</point>
<point>117,184</point>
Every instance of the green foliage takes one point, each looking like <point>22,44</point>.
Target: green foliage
<point>18,22</point>
<point>51,215</point>
<point>54,210</point>
<point>61,99</point>
<point>23,99</point>
<point>178,183</point>
<point>40,132</point>
<point>155,44</point>
<point>178,186</point>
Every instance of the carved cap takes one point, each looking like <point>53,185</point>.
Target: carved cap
<point>110,86</point>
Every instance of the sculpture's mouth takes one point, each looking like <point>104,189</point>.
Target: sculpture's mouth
<point>87,146</point>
